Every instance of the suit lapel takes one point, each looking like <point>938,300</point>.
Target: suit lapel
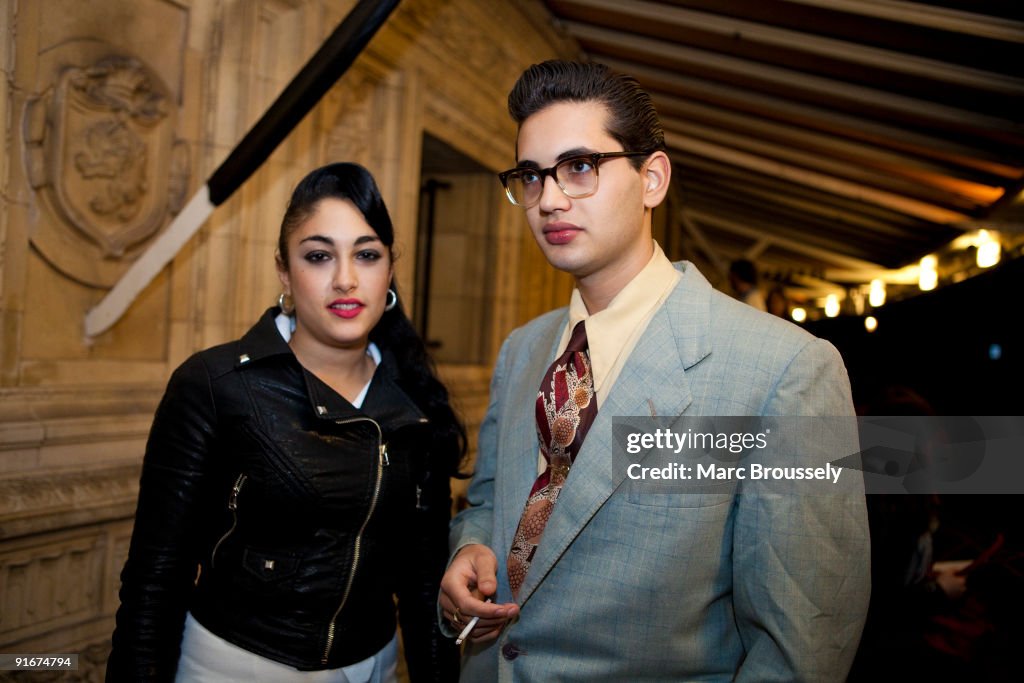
<point>653,381</point>
<point>520,438</point>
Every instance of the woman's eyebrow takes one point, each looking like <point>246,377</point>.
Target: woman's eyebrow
<point>318,238</point>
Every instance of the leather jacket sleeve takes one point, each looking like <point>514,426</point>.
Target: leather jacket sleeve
<point>430,655</point>
<point>163,558</point>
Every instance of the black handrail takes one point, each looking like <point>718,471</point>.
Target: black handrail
<point>303,92</point>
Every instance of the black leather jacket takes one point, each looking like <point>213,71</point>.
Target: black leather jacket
<point>303,515</point>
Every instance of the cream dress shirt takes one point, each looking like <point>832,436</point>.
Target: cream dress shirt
<point>613,333</point>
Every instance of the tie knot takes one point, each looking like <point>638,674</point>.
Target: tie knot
<point>578,340</point>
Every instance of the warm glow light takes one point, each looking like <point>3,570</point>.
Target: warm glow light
<point>832,306</point>
<point>929,277</point>
<point>870,323</point>
<point>799,314</point>
<point>988,249</point>
<point>856,296</point>
<point>876,295</point>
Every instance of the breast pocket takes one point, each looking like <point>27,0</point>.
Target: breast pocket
<point>669,497</point>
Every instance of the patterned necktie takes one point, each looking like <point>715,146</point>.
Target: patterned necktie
<point>566,407</point>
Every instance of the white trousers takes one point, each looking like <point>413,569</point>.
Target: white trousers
<point>208,658</point>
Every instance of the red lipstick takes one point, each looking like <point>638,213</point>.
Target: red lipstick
<point>346,308</point>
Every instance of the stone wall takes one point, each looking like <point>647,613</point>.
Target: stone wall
<point>115,112</point>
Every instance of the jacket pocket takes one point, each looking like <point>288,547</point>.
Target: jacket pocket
<point>638,496</point>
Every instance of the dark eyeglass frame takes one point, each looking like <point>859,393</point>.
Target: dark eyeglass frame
<point>594,158</point>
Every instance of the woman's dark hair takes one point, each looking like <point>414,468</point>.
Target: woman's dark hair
<point>394,332</point>
<point>632,119</point>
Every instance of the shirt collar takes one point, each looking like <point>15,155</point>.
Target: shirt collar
<point>608,331</point>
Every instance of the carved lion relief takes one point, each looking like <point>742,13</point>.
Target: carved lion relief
<point>101,154</point>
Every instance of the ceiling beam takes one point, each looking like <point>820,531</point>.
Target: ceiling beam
<point>788,79</point>
<point>697,235</point>
<point>927,16</point>
<point>834,166</point>
<point>800,202</point>
<point>757,248</point>
<point>734,29</point>
<point>813,287</point>
<point>794,137</point>
<point>784,242</point>
<point>819,181</point>
<point>817,118</point>
<point>900,276</point>
<point>997,225</point>
<point>850,243</point>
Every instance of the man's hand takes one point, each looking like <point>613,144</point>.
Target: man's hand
<point>469,580</point>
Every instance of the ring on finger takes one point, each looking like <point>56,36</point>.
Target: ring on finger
<point>456,617</point>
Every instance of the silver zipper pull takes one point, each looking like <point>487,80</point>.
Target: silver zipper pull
<point>384,454</point>
<point>235,490</point>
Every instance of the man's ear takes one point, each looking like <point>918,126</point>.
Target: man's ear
<point>657,173</point>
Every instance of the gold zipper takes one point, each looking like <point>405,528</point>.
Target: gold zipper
<point>233,506</point>
<point>382,462</point>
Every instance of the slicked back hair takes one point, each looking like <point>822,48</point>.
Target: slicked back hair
<point>632,119</point>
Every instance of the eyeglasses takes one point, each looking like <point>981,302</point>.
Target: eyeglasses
<point>576,176</point>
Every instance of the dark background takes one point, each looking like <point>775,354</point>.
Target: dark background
<point>938,344</point>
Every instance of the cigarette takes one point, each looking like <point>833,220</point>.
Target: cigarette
<point>465,631</point>
<point>469,627</point>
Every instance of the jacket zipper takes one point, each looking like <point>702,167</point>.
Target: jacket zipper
<point>382,462</point>
<point>233,506</point>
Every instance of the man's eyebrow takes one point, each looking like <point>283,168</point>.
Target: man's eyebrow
<point>567,154</point>
<point>574,152</point>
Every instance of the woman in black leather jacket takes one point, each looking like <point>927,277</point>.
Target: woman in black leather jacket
<point>296,480</point>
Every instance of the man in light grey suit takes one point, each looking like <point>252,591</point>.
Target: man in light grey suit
<point>623,585</point>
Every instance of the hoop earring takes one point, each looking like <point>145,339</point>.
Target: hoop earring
<point>392,300</point>
<point>285,303</point>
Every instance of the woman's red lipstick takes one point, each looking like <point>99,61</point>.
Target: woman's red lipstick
<point>346,308</point>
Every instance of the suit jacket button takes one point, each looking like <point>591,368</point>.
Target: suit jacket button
<point>509,651</point>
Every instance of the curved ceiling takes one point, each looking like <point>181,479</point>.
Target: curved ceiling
<point>830,141</point>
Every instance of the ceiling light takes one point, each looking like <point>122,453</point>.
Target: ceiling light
<point>928,277</point>
<point>870,323</point>
<point>832,306</point>
<point>799,314</point>
<point>988,249</point>
<point>876,295</point>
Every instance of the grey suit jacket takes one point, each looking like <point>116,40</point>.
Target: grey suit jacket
<point>626,587</point>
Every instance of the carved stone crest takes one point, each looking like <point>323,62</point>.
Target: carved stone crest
<point>101,152</point>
